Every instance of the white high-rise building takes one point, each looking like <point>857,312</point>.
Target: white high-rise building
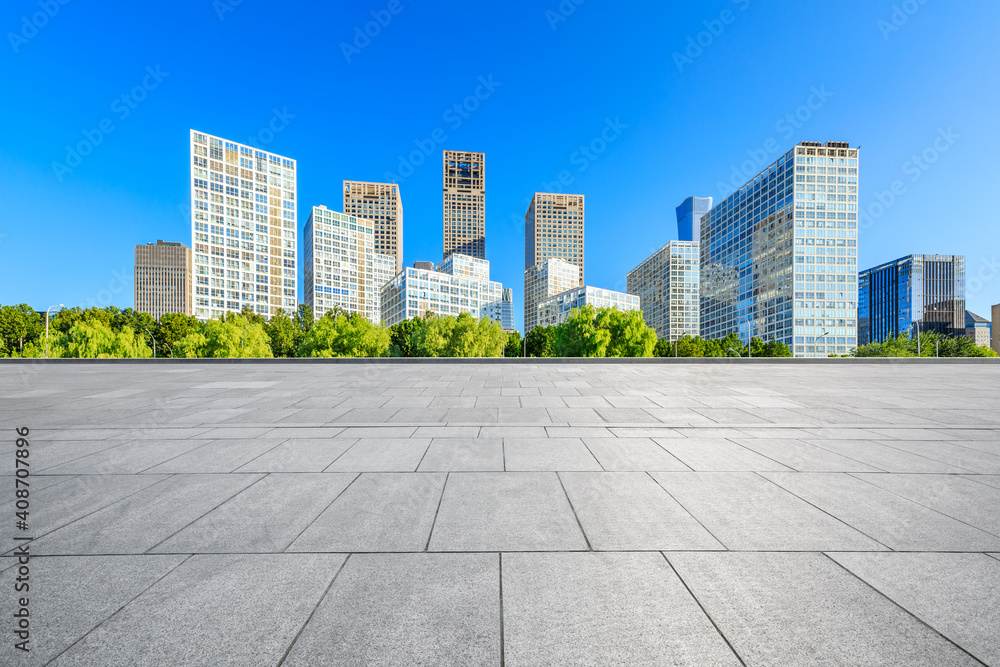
<point>555,309</point>
<point>544,279</point>
<point>341,267</point>
<point>667,284</point>
<point>243,227</point>
<point>459,284</point>
<point>779,257</point>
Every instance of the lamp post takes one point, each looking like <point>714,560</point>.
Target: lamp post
<point>154,342</point>
<point>47,327</point>
<point>825,334</point>
<point>735,352</point>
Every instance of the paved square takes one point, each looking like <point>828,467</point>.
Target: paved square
<point>505,513</point>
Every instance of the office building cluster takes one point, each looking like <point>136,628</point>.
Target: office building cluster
<point>777,259</point>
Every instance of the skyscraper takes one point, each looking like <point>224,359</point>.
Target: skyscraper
<point>465,204</point>
<point>779,255</point>
<point>340,266</point>
<point>243,223</point>
<point>163,278</point>
<point>458,284</point>
<point>555,309</point>
<point>545,279</point>
<point>925,292</point>
<point>689,215</point>
<point>380,203</point>
<point>554,227</point>
<point>667,284</point>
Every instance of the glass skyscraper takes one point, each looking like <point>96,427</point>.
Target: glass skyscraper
<point>925,291</point>
<point>779,256</point>
<point>689,215</point>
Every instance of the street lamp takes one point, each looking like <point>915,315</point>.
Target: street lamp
<point>735,352</point>
<point>152,338</point>
<point>47,327</point>
<point>825,334</point>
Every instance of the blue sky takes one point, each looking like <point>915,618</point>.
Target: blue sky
<point>688,93</point>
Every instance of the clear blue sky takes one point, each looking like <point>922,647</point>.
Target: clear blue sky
<point>683,124</point>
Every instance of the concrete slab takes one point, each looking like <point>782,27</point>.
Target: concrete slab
<point>633,453</point>
<point>537,454</point>
<point>378,512</point>
<point>956,594</point>
<point>513,511</point>
<point>802,456</point>
<point>463,454</point>
<point>218,456</point>
<point>712,454</point>
<point>382,455</point>
<point>976,504</point>
<point>215,603</point>
<point>299,455</point>
<point>407,609</point>
<point>746,512</point>
<point>603,609</point>
<point>800,609</point>
<point>628,511</point>
<point>886,458</point>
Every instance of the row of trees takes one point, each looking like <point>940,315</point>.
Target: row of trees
<point>587,332</point>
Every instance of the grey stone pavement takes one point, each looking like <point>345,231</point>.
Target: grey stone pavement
<point>505,514</point>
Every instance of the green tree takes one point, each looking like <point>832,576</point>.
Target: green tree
<point>539,342</point>
<point>20,325</point>
<point>342,335</point>
<point>776,348</point>
<point>401,335</point>
<point>304,318</point>
<point>284,335</point>
<point>691,346</point>
<point>96,340</point>
<point>172,328</point>
<point>630,335</point>
<point>514,346</point>
<point>580,336</point>
<point>234,337</point>
<point>462,336</point>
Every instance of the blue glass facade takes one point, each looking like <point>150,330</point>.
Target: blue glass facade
<point>689,215</point>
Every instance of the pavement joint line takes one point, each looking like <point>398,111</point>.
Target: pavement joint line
<point>586,539</point>
<point>115,613</point>
<point>42,471</point>
<point>829,514</point>
<point>902,608</point>
<point>888,443</point>
<point>323,511</point>
<point>671,455</point>
<point>437,510</point>
<point>503,650</point>
<point>856,460</point>
<point>703,610</point>
<point>430,441</point>
<point>604,424</point>
<point>769,458</point>
<point>349,448</point>
<point>257,457</point>
<point>313,612</point>
<point>689,512</point>
<point>507,551</point>
<point>917,502</point>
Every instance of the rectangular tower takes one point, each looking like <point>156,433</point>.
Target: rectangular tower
<point>925,292</point>
<point>554,227</point>
<point>380,203</point>
<point>667,284</point>
<point>243,226</point>
<point>458,284</point>
<point>543,280</point>
<point>465,204</point>
<point>341,268</point>
<point>779,256</point>
<point>163,278</point>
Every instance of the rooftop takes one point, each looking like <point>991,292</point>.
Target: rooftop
<point>516,514</point>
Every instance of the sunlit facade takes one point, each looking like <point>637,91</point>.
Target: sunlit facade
<point>543,280</point>
<point>667,284</point>
<point>555,309</point>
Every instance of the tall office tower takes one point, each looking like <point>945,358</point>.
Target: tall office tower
<point>667,284</point>
<point>995,328</point>
<point>779,255</point>
<point>555,309</point>
<point>546,278</point>
<point>163,278</point>
<point>341,267</point>
<point>554,227</point>
<point>689,215</point>
<point>458,284</point>
<point>925,292</point>
<point>465,204</point>
<point>243,222</point>
<point>380,203</point>
<point>507,309</point>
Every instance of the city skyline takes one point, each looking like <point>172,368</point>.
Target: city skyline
<point>653,130</point>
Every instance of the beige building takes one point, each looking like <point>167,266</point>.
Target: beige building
<point>465,204</point>
<point>163,278</point>
<point>543,280</point>
<point>667,284</point>
<point>554,227</point>
<point>380,203</point>
<point>996,328</point>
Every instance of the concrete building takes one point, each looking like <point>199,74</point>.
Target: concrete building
<point>426,266</point>
<point>779,255</point>
<point>163,273</point>
<point>459,284</point>
<point>465,204</point>
<point>995,329</point>
<point>689,215</point>
<point>243,226</point>
<point>341,267</point>
<point>554,227</point>
<point>978,329</point>
<point>916,292</point>
<point>380,203</point>
<point>555,309</point>
<point>667,284</point>
<point>543,280</point>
